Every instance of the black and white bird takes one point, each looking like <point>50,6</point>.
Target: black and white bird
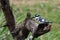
<point>39,18</point>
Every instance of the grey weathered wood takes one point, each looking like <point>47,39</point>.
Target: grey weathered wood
<point>22,31</point>
<point>10,21</point>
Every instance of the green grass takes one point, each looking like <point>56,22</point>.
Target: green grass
<point>47,11</point>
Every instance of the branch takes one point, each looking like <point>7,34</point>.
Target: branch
<point>8,14</point>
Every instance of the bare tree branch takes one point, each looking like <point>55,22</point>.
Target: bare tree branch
<point>8,14</point>
<point>28,25</point>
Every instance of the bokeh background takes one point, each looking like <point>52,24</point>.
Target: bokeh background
<point>48,9</point>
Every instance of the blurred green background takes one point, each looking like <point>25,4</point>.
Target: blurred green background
<point>48,9</point>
